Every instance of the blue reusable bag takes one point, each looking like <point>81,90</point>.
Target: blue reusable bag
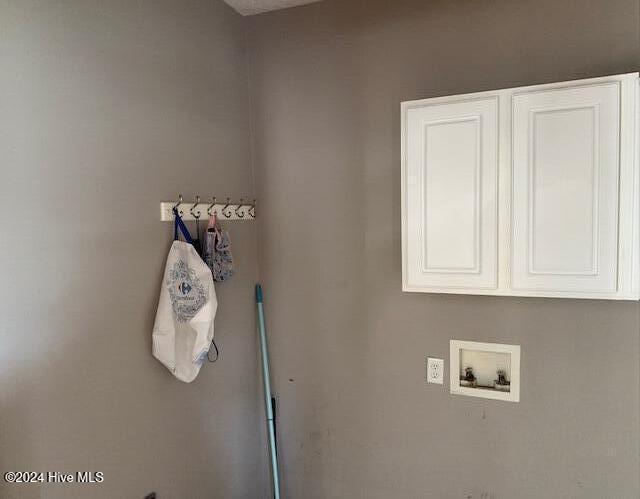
<point>183,328</point>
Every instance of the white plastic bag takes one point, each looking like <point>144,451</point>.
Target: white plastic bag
<point>183,329</point>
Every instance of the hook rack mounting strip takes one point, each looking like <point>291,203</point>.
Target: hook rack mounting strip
<point>223,211</point>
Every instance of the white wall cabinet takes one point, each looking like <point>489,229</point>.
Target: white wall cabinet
<point>530,191</point>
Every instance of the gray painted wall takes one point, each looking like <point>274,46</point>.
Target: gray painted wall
<point>113,107</point>
<point>357,418</point>
<point>107,108</point>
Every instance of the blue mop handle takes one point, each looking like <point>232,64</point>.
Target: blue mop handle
<point>267,393</point>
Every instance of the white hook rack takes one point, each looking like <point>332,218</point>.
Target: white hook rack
<point>223,211</point>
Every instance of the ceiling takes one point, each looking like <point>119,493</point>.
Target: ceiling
<point>250,7</point>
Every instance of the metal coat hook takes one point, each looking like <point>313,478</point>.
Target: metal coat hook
<point>211,206</point>
<point>175,207</point>
<point>238,208</point>
<point>193,207</point>
<point>227,215</point>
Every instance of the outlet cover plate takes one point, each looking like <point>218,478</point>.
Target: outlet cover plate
<point>435,370</point>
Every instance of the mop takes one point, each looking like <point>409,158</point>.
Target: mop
<point>268,400</point>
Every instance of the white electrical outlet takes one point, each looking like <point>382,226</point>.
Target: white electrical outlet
<point>435,371</point>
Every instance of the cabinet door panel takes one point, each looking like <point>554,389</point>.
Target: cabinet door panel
<point>565,189</point>
<point>450,194</point>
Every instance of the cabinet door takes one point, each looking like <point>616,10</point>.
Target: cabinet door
<point>449,194</point>
<point>565,189</point>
